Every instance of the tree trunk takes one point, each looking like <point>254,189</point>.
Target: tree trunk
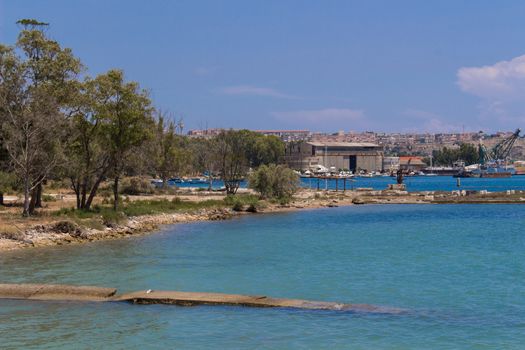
<point>83,194</point>
<point>93,192</point>
<point>38,200</point>
<point>210,183</point>
<point>32,202</point>
<point>75,185</point>
<point>78,201</point>
<point>26,197</point>
<point>115,193</point>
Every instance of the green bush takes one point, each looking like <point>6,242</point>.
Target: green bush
<point>136,185</point>
<point>239,201</point>
<point>274,182</point>
<point>48,198</point>
<point>111,218</point>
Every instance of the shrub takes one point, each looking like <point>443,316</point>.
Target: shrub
<point>238,206</point>
<point>48,198</point>
<point>64,227</point>
<point>274,182</point>
<point>240,201</point>
<point>67,227</point>
<point>111,218</point>
<point>136,185</point>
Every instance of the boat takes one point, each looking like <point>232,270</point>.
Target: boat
<point>465,174</point>
<point>175,180</point>
<point>367,175</point>
<point>441,170</point>
<point>519,167</point>
<point>157,182</point>
<point>489,170</point>
<point>306,174</point>
<point>496,175</point>
<point>197,180</point>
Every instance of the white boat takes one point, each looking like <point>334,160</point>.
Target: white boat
<point>306,174</point>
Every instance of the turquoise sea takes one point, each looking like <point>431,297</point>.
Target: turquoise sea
<point>458,270</point>
<point>415,183</point>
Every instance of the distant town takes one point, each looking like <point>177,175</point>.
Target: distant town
<point>372,151</point>
<point>392,144</point>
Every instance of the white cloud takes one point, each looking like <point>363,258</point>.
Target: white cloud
<point>504,80</point>
<point>250,90</point>
<point>321,116</point>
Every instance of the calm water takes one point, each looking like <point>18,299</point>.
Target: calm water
<point>458,269</point>
<point>416,183</point>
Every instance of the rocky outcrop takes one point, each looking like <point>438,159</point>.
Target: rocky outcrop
<point>88,293</point>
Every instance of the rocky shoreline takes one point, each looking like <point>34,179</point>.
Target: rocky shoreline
<point>66,232</point>
<point>63,232</point>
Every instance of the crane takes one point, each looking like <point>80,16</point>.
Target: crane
<point>500,151</point>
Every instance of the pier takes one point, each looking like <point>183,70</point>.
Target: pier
<point>60,292</point>
<point>336,178</point>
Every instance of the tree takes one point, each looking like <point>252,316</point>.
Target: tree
<point>268,150</point>
<point>468,153</point>
<point>168,153</point>
<point>5,177</point>
<point>126,121</point>
<point>274,182</point>
<point>33,88</point>
<point>447,156</point>
<point>205,157</point>
<point>232,161</point>
<point>261,149</point>
<point>88,160</point>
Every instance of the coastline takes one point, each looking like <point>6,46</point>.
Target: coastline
<point>64,232</point>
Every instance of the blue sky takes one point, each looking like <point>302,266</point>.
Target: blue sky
<point>432,66</point>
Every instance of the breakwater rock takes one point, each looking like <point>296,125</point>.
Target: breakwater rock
<point>89,293</point>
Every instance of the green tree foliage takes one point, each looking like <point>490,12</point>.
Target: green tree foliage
<point>260,149</point>
<point>36,80</point>
<point>232,159</point>
<point>169,154</point>
<point>268,150</point>
<point>274,182</point>
<point>205,158</point>
<point>54,125</point>
<point>126,121</point>
<point>447,156</point>
<point>87,159</point>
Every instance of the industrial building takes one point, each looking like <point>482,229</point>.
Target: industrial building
<point>339,155</point>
